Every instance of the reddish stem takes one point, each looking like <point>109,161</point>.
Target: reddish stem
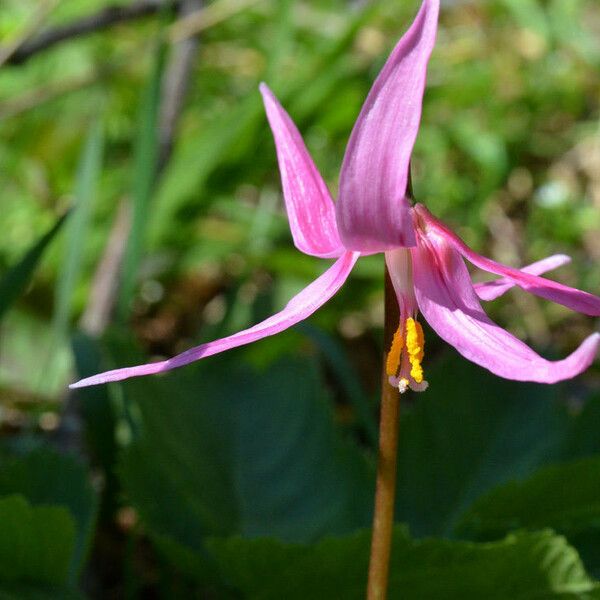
<point>383,518</point>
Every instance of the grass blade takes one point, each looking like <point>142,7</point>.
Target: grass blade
<point>14,282</point>
<point>88,173</point>
<point>144,177</point>
<point>234,132</point>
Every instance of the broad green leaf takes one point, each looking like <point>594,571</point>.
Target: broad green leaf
<point>523,565</point>
<point>44,477</point>
<point>36,543</point>
<point>226,449</point>
<point>565,497</point>
<point>14,282</point>
<point>38,592</point>
<point>583,439</point>
<point>347,378</point>
<point>469,432</point>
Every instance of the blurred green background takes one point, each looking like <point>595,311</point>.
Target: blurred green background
<point>177,234</point>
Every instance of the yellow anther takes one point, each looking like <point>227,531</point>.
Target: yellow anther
<point>414,337</point>
<point>416,371</point>
<point>410,332</point>
<point>415,346</point>
<point>392,363</point>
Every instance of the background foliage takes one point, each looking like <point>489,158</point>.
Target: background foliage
<point>251,474</point>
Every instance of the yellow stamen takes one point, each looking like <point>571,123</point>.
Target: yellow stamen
<point>416,372</point>
<point>393,357</point>
<point>415,346</point>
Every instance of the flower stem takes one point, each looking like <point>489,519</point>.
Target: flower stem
<point>383,518</point>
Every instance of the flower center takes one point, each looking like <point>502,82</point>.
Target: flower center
<point>403,363</point>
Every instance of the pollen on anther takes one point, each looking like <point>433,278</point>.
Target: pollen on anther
<point>392,363</point>
<point>415,346</point>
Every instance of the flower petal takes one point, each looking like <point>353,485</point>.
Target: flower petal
<point>572,298</point>
<point>490,290</point>
<point>298,308</point>
<point>309,206</point>
<point>372,210</point>
<point>447,300</point>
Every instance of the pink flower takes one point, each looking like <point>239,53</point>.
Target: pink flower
<point>424,257</point>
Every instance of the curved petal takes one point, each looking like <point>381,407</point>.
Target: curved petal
<point>372,210</point>
<point>298,308</point>
<point>572,298</point>
<point>447,300</point>
<point>309,206</point>
<point>490,290</point>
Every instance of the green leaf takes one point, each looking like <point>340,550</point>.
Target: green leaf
<point>523,565</point>
<point>477,436</point>
<point>529,15</point>
<point>583,439</point>
<point>36,543</point>
<point>88,172</point>
<point>99,415</point>
<point>47,478</point>
<point>227,449</point>
<point>225,135</point>
<point>144,178</point>
<point>14,282</point>
<point>469,432</point>
<point>205,152</point>
<point>484,147</point>
<point>38,592</point>
<point>565,497</point>
<point>347,378</point>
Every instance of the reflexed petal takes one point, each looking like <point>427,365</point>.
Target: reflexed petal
<point>449,304</point>
<point>372,211</point>
<point>572,298</point>
<point>310,209</point>
<point>298,308</point>
<point>490,290</point>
